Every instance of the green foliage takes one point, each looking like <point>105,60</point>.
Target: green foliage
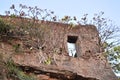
<point>113,56</point>
<point>4,28</point>
<point>48,61</point>
<point>69,20</point>
<point>13,16</point>
<point>118,78</point>
<point>17,73</point>
<point>22,76</point>
<point>2,68</point>
<point>117,49</point>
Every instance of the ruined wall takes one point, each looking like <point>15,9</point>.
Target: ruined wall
<point>56,38</point>
<point>53,36</point>
<point>95,68</point>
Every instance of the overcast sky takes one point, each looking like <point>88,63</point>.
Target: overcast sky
<point>71,7</point>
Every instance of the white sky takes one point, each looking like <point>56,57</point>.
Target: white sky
<point>71,7</point>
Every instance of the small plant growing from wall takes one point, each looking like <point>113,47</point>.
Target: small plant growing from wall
<point>48,61</point>
<point>4,28</point>
<point>17,48</point>
<point>33,13</point>
<point>16,73</point>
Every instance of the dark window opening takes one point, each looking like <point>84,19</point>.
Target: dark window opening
<point>71,44</point>
<point>72,39</point>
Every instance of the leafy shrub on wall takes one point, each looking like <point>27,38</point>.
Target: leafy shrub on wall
<point>4,28</point>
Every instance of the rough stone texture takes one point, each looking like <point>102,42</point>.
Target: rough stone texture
<point>57,36</point>
<point>52,38</point>
<point>95,67</point>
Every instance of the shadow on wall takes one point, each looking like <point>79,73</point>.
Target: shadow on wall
<point>57,76</point>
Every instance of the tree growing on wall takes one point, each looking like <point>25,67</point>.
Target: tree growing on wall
<point>109,35</point>
<point>34,13</point>
<point>108,32</point>
<point>114,58</point>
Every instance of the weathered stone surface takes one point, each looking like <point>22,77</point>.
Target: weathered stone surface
<point>56,37</point>
<point>52,38</point>
<point>95,66</point>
